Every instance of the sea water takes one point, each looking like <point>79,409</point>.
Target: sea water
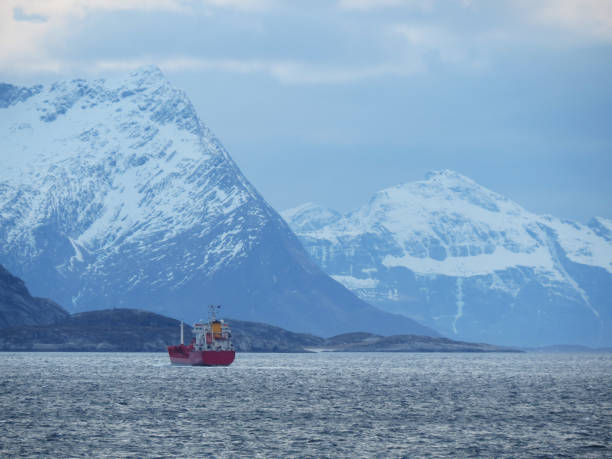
<point>327,404</point>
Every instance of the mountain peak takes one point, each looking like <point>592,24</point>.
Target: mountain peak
<point>447,174</point>
<point>445,189</point>
<point>450,180</point>
<point>310,216</point>
<point>148,75</point>
<point>149,69</point>
<point>119,116</point>
<point>471,263</point>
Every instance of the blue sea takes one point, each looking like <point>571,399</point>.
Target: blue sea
<point>307,405</point>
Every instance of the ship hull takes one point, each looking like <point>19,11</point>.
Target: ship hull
<point>182,355</point>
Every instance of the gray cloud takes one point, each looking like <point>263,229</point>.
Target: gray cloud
<point>20,15</point>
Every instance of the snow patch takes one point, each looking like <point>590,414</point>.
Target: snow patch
<point>351,282</point>
<point>499,260</point>
<point>459,303</point>
<point>78,256</point>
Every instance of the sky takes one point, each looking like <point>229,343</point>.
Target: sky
<point>332,101</point>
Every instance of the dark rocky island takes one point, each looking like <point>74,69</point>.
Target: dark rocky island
<point>367,342</point>
<point>130,330</point>
<point>259,337</point>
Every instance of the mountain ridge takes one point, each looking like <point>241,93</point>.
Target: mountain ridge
<point>464,259</point>
<point>114,194</point>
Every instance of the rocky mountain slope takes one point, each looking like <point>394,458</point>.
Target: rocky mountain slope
<point>113,193</point>
<point>469,262</point>
<point>18,307</point>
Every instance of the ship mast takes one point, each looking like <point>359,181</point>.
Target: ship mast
<point>211,319</point>
<point>211,313</point>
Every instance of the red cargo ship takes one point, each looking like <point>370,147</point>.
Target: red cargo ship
<point>211,346</point>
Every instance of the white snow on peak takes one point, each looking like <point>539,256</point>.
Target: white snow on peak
<point>448,176</point>
<point>146,75</point>
<point>448,224</point>
<point>116,162</point>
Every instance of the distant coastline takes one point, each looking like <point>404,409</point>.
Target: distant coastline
<point>131,330</point>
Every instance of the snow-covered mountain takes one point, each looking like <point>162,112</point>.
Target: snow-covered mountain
<point>469,262</point>
<point>113,193</point>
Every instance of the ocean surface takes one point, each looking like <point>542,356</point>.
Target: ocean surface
<point>270,405</point>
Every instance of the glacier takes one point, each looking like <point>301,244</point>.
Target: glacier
<point>113,193</point>
<point>469,262</point>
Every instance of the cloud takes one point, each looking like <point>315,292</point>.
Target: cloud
<point>285,71</point>
<point>288,72</point>
<point>79,8</point>
<point>365,5</point>
<point>375,4</point>
<point>418,5</point>
<point>427,39</point>
<point>31,30</point>
<point>245,5</point>
<point>592,19</point>
<point>20,15</point>
<point>589,19</point>
<point>320,47</point>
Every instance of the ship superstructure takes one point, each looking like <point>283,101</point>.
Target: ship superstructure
<point>211,344</point>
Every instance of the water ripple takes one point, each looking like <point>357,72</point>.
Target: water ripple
<point>426,405</point>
